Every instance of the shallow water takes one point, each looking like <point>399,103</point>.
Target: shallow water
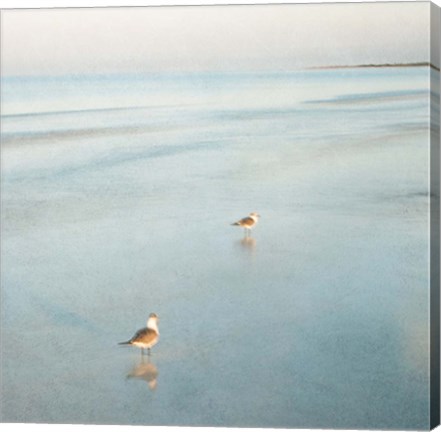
<point>117,198</point>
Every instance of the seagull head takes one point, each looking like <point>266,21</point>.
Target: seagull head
<point>152,322</point>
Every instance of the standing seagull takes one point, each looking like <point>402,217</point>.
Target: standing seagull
<point>248,222</point>
<point>147,336</point>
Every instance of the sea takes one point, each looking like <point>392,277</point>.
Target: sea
<point>117,197</point>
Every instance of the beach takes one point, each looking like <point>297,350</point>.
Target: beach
<point>118,193</point>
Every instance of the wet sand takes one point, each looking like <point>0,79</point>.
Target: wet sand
<point>318,320</point>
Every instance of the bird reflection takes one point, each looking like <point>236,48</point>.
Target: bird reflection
<point>146,371</point>
<point>248,243</point>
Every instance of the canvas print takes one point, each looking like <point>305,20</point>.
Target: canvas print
<point>221,216</point>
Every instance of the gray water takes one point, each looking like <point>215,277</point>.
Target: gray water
<point>117,197</point>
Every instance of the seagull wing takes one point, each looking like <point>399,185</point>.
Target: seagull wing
<point>246,221</point>
<point>144,335</point>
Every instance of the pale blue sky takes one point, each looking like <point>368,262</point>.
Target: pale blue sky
<point>213,38</point>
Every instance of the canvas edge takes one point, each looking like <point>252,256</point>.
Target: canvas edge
<point>435,24</point>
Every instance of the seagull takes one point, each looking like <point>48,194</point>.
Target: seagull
<point>147,336</point>
<point>248,222</point>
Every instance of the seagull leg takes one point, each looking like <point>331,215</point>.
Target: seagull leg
<point>148,352</point>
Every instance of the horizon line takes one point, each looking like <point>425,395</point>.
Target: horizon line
<point>238,72</point>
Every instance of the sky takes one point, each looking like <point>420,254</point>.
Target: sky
<point>211,38</point>
<point>105,41</point>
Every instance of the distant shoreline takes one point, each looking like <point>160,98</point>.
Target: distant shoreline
<point>381,65</point>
